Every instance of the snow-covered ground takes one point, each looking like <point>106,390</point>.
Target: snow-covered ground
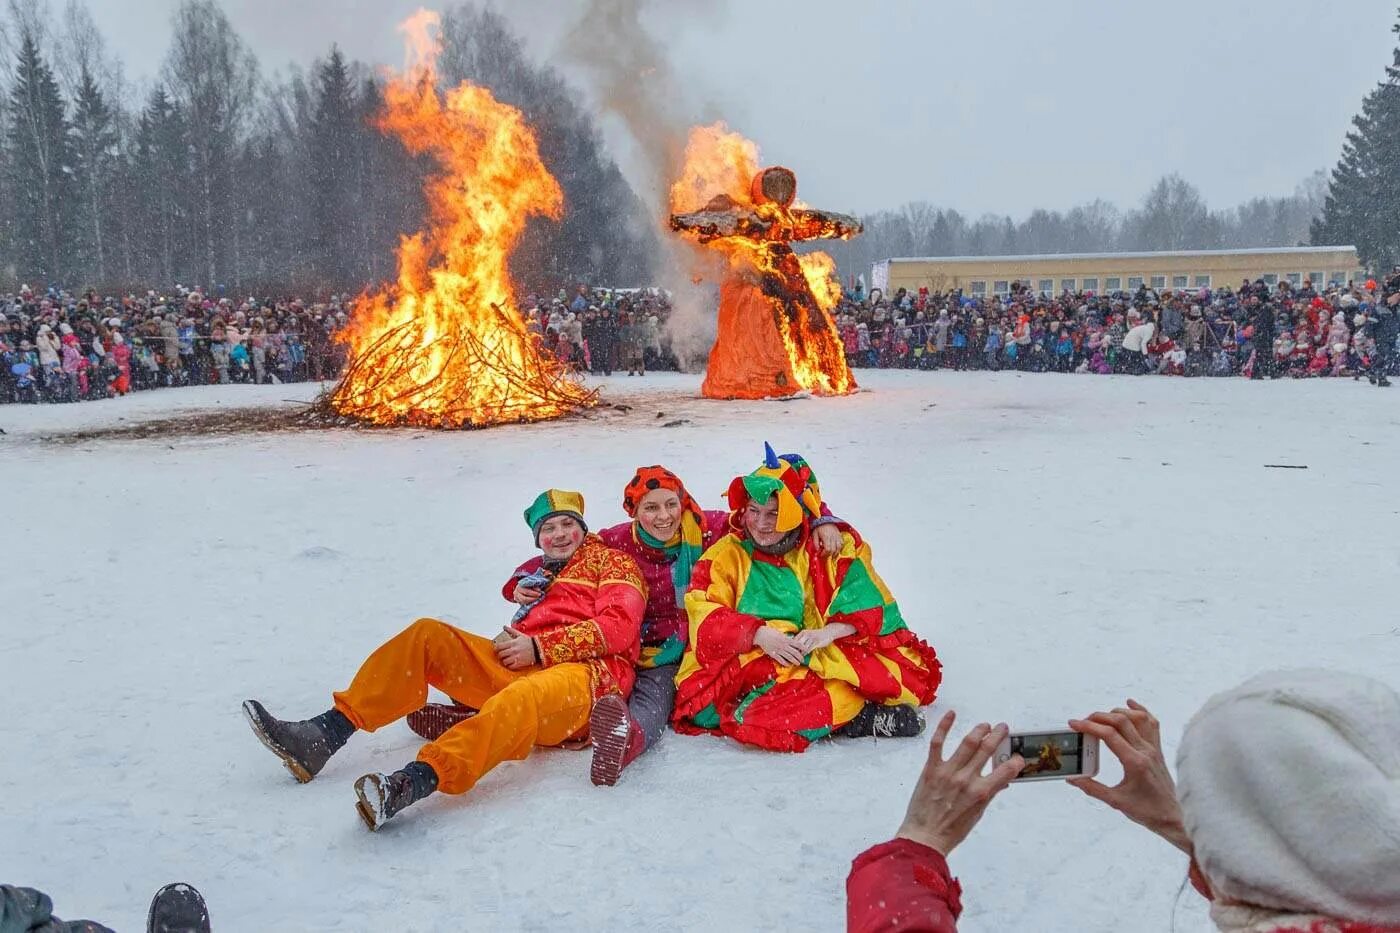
<point>1064,542</point>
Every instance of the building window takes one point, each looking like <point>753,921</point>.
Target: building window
<point>1047,286</point>
<point>979,288</point>
<point>1066,285</point>
<point>1295,279</point>
<point>1270,279</point>
<point>1112,284</point>
<point>1001,286</point>
<point>1203,281</point>
<point>1178,281</point>
<point>1338,278</point>
<point>1315,279</point>
<point>1134,282</point>
<point>1159,281</point>
<point>1090,285</point>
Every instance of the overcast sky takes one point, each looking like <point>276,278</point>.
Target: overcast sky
<point>981,106</point>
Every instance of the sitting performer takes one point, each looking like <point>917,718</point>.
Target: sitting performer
<point>788,646</point>
<point>534,685</point>
<point>666,535</point>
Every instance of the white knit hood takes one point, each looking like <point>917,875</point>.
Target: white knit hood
<point>1290,787</point>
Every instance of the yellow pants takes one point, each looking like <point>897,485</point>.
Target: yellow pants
<point>518,709</point>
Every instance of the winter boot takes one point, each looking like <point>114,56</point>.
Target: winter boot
<point>177,908</point>
<point>383,795</point>
<point>617,739</point>
<point>884,722</point>
<point>304,746</point>
<point>1382,382</point>
<point>436,718</point>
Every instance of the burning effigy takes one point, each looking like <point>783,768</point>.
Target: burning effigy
<point>776,335</point>
<point>445,346</point>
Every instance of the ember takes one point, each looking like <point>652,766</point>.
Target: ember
<point>776,336</point>
<point>445,345</point>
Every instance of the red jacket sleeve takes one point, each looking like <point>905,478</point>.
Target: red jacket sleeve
<point>902,886</point>
<point>616,624</point>
<point>525,569</point>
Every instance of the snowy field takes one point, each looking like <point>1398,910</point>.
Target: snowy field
<point>1063,542</point>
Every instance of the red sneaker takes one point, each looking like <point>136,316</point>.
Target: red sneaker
<point>436,718</point>
<point>617,739</point>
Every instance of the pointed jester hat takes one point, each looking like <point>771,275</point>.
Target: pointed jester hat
<point>789,478</point>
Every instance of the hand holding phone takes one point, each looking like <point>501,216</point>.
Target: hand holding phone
<point>1147,793</point>
<point>951,795</point>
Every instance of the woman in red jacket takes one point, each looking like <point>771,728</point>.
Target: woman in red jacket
<point>1288,807</point>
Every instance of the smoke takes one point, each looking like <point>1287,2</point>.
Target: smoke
<point>628,71</point>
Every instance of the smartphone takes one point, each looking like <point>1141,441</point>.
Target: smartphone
<point>1052,756</point>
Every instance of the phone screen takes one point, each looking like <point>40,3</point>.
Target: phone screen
<point>1049,754</point>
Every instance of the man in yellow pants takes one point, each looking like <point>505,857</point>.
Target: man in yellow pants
<point>535,684</point>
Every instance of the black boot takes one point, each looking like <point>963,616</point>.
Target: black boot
<point>304,746</point>
<point>383,795</point>
<point>177,908</point>
<point>884,722</point>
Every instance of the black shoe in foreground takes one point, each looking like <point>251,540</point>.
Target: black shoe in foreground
<point>303,746</point>
<point>177,908</point>
<point>383,795</point>
<point>887,722</point>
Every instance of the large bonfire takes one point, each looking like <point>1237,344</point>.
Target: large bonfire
<point>445,346</point>
<point>776,335</point>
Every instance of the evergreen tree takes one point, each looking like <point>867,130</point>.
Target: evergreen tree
<point>941,241</point>
<point>268,243</point>
<point>388,191</point>
<point>1362,205</point>
<point>160,182</point>
<point>95,166</point>
<point>606,235</point>
<point>333,152</point>
<point>41,168</point>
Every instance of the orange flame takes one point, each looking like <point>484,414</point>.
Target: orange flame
<point>444,346</point>
<point>719,199</point>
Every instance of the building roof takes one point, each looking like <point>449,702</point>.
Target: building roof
<point>1060,257</point>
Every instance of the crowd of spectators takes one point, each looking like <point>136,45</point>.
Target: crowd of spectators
<point>1254,330</point>
<point>61,347</point>
<point>601,330</point>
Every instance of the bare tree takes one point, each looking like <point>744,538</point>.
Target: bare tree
<point>213,78</point>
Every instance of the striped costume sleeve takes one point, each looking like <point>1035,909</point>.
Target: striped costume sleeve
<point>861,597</point>
<point>718,631</point>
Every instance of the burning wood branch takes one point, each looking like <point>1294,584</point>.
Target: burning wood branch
<point>444,346</point>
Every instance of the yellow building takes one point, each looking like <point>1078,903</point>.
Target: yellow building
<point>1103,273</point>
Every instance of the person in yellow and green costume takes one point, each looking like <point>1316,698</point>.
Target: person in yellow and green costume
<point>534,684</point>
<point>788,645</point>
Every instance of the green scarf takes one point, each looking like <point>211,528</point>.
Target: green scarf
<point>683,550</point>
